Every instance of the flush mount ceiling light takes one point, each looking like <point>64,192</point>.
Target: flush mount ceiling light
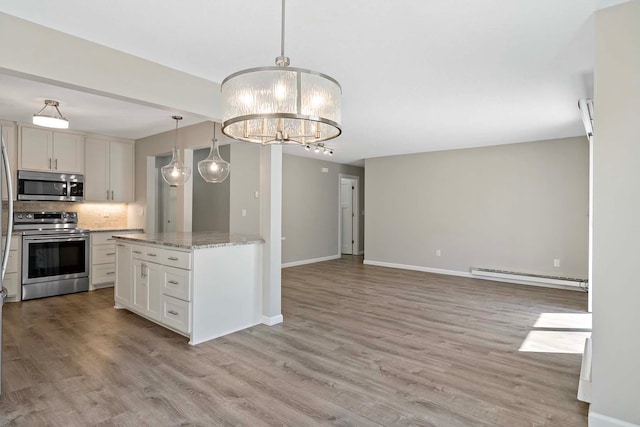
<point>176,173</point>
<point>54,119</point>
<point>214,168</point>
<point>281,104</point>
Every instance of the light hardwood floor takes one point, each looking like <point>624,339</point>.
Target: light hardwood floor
<point>360,345</point>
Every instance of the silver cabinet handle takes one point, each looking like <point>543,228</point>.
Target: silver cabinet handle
<point>173,282</point>
<point>50,163</point>
<point>111,253</point>
<point>107,194</point>
<point>150,254</point>
<point>56,164</point>
<point>120,244</point>
<point>175,313</point>
<point>172,258</point>
<point>110,272</point>
<point>111,239</point>
<point>112,195</point>
<point>136,252</point>
<point>142,268</point>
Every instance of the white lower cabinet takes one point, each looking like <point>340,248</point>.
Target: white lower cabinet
<point>151,288</point>
<point>11,279</point>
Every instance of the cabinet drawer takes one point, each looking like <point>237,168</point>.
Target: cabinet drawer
<point>103,273</point>
<point>13,264</point>
<point>151,254</point>
<point>103,254</point>
<point>102,238</point>
<point>12,284</point>
<point>176,314</point>
<point>177,283</point>
<point>176,259</point>
<point>138,251</point>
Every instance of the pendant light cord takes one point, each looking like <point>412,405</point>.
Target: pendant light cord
<point>282,32</point>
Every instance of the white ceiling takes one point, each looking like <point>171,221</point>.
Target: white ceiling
<point>417,75</point>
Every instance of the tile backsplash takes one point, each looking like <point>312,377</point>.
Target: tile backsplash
<point>90,215</point>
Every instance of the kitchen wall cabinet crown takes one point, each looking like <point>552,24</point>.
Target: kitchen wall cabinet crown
<point>51,151</point>
<point>110,177</point>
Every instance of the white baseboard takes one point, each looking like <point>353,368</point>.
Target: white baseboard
<point>310,261</point>
<point>418,268</point>
<point>599,420</point>
<point>361,253</point>
<point>465,274</point>
<point>273,320</point>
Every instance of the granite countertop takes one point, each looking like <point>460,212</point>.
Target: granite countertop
<point>196,240</point>
<point>106,230</point>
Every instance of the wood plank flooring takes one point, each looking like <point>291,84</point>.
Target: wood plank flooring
<point>360,345</point>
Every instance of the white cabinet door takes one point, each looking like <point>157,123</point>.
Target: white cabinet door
<point>36,149</point>
<point>155,282</point>
<point>68,152</point>
<point>140,288</point>
<point>9,135</point>
<point>96,178</point>
<point>124,275</point>
<point>121,171</point>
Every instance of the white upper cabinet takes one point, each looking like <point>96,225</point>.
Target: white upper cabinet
<point>46,150</point>
<point>110,176</point>
<point>9,135</point>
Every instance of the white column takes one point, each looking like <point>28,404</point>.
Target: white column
<point>184,194</point>
<point>271,231</point>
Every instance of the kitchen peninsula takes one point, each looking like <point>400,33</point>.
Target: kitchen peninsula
<point>202,285</point>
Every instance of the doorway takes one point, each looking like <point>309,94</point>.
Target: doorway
<point>348,216</point>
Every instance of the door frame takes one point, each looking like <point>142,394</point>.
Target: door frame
<point>356,209</point>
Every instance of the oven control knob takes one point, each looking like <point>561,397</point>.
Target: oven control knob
<point>19,216</point>
<point>28,216</point>
<point>65,215</point>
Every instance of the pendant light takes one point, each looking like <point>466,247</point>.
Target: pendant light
<point>281,104</point>
<point>54,119</point>
<point>176,173</point>
<point>214,168</point>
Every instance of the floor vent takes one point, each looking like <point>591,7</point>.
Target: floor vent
<point>532,279</point>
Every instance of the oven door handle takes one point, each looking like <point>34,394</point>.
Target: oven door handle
<point>55,239</point>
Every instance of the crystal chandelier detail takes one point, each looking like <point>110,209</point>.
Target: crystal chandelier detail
<point>281,104</point>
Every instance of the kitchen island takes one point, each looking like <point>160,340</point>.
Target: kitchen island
<point>202,285</point>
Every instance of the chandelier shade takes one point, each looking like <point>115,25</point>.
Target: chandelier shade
<point>281,105</point>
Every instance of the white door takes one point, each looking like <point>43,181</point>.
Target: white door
<point>140,290</point>
<point>346,207</point>
<point>121,171</point>
<point>36,149</point>
<point>68,152</point>
<point>96,186</point>
<point>124,274</point>
<point>155,282</point>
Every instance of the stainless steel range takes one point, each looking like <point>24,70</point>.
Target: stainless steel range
<point>55,253</point>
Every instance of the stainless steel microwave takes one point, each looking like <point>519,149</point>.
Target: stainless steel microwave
<point>51,186</point>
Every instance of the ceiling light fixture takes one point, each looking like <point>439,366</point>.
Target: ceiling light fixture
<point>281,104</point>
<point>214,168</point>
<point>54,120</point>
<point>176,173</point>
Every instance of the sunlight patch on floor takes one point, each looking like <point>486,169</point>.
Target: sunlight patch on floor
<point>555,342</point>
<point>564,320</point>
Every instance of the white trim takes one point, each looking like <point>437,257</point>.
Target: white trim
<point>310,261</point>
<point>361,253</point>
<point>417,268</point>
<point>517,278</point>
<point>273,320</point>
<point>599,420</point>
<point>464,274</point>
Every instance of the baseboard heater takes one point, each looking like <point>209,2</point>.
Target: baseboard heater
<point>531,279</point>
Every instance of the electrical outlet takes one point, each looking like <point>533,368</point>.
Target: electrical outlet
<point>244,212</point>
<point>556,262</point>
<point>438,252</point>
<point>140,211</point>
<point>105,213</point>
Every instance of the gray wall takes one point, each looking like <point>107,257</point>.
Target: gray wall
<point>616,204</point>
<point>210,201</point>
<point>310,200</point>
<point>513,207</point>
<point>244,182</point>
